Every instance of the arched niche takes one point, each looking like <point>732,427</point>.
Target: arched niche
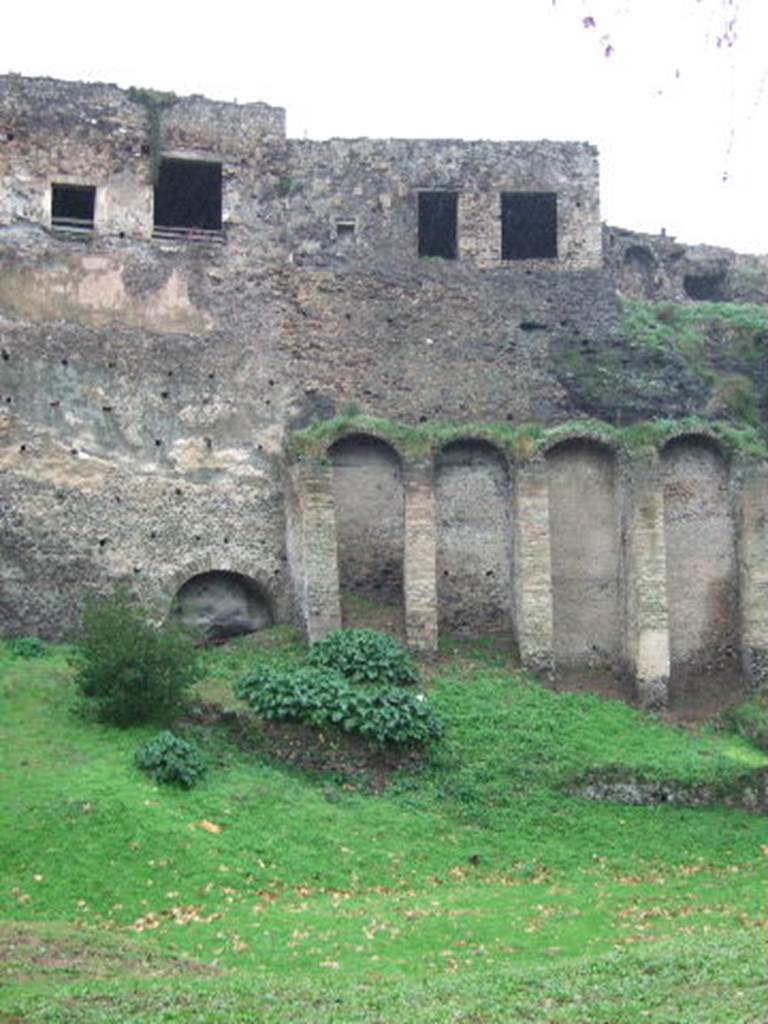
<point>586,555</point>
<point>219,604</point>
<point>368,493</point>
<point>702,579</point>
<point>474,546</point>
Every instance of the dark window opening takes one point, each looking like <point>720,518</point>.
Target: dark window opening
<point>437,224</point>
<point>528,225</point>
<point>188,196</point>
<point>73,206</point>
<point>345,229</point>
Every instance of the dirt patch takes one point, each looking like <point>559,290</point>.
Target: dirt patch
<point>352,760</point>
<point>601,682</point>
<point>696,699</point>
<point>31,951</point>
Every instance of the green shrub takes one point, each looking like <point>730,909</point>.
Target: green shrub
<point>293,695</point>
<point>131,670</point>
<point>364,656</point>
<point>28,647</point>
<point>321,698</point>
<point>171,761</point>
<point>750,719</point>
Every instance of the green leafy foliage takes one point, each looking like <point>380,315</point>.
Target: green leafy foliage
<point>734,394</point>
<point>320,697</point>
<point>750,719</point>
<point>364,656</point>
<point>28,647</point>
<point>170,760</point>
<point>129,669</point>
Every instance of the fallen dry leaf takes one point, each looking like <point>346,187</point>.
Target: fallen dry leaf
<point>210,827</point>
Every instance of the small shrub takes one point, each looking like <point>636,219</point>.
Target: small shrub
<point>303,694</point>
<point>131,670</point>
<point>28,647</point>
<point>364,656</point>
<point>750,719</point>
<point>322,698</point>
<point>171,761</point>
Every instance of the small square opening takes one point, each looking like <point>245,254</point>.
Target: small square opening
<point>437,224</point>
<point>73,207</point>
<point>188,196</point>
<point>528,225</point>
<point>345,229</point>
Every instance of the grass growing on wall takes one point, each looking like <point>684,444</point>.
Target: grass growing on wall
<point>473,890</point>
<point>701,335</point>
<point>525,441</point>
<point>688,328</point>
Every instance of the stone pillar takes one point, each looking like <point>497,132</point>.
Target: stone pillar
<point>753,574</point>
<point>645,579</point>
<point>317,558</point>
<point>420,569</point>
<point>532,568</point>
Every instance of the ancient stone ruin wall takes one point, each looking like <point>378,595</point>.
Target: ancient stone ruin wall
<point>358,199</point>
<point>659,268</point>
<point>183,290</point>
<point>474,539</point>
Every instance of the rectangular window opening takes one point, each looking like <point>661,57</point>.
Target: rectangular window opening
<point>345,229</point>
<point>528,225</point>
<point>73,207</point>
<point>437,224</point>
<point>188,198</point>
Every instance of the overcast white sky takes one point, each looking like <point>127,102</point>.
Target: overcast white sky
<point>681,123</point>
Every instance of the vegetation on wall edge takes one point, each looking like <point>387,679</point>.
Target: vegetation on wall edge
<point>526,441</point>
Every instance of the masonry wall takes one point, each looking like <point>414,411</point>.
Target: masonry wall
<point>474,539</point>
<point>149,386</point>
<point>368,494</point>
<point>702,575</point>
<point>586,556</point>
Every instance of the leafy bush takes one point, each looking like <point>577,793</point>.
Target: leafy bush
<point>28,647</point>
<point>293,695</point>
<point>318,697</point>
<point>171,761</point>
<point>364,656</point>
<point>131,670</point>
<point>750,719</point>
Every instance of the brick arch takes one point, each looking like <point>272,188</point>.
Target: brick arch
<point>610,446</point>
<point>703,437</point>
<point>188,568</point>
<point>357,433</point>
<point>478,439</point>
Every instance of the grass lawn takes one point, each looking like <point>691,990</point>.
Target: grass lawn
<point>474,890</point>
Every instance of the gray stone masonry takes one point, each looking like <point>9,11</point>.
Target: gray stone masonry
<point>150,386</point>
<point>533,564</point>
<point>420,583</point>
<point>753,565</point>
<point>646,583</point>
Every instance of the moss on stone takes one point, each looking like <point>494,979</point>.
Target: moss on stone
<point>526,441</point>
